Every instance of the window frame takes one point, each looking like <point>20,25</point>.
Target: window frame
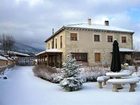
<point>53,43</point>
<point>95,38</point>
<point>56,43</point>
<point>80,56</point>
<point>48,45</point>
<point>122,40</point>
<point>74,38</point>
<point>61,43</point>
<point>108,39</point>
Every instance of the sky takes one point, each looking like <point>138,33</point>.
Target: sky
<point>31,21</point>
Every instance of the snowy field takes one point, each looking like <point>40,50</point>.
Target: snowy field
<point>23,88</point>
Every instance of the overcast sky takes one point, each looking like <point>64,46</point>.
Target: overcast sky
<point>31,21</point>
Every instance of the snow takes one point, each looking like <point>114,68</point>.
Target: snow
<point>117,74</point>
<point>136,74</point>
<point>126,50</point>
<point>102,78</point>
<point>23,88</point>
<point>124,80</point>
<point>49,50</point>
<point>18,53</point>
<point>9,58</point>
<point>99,27</point>
<point>3,58</point>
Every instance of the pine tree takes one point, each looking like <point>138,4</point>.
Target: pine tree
<point>71,81</point>
<point>70,67</point>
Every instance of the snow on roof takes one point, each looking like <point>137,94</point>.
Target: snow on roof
<point>3,58</point>
<point>99,27</point>
<point>19,53</point>
<point>93,27</point>
<point>9,58</point>
<point>53,50</point>
<point>49,50</point>
<point>126,50</point>
<point>40,53</point>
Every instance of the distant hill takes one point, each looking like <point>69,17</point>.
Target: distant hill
<point>19,47</point>
<point>23,48</point>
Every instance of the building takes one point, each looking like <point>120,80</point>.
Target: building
<point>89,43</point>
<point>22,58</point>
<point>3,61</point>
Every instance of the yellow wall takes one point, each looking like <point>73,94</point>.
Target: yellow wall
<point>86,44</point>
<point>3,63</point>
<point>58,43</point>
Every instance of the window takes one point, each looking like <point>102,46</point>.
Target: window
<point>48,45</point>
<point>73,36</point>
<point>110,38</point>
<point>60,41</point>
<point>97,57</point>
<point>96,38</point>
<point>52,43</point>
<point>123,39</point>
<point>55,43</point>
<point>80,56</point>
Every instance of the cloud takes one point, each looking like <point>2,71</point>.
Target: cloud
<point>31,21</point>
<point>31,3</point>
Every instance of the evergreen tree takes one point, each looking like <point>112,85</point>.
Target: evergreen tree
<point>71,81</point>
<point>70,67</point>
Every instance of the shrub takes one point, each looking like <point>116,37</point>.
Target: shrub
<point>48,73</point>
<point>57,77</point>
<point>71,84</point>
<point>91,73</point>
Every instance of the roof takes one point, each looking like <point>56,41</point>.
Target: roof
<point>126,50</point>
<point>9,58</point>
<point>60,30</point>
<point>3,58</point>
<point>49,51</point>
<point>18,53</point>
<point>99,27</point>
<point>92,27</point>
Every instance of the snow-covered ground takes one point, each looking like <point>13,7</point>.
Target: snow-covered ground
<point>23,88</point>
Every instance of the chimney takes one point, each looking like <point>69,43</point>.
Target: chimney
<point>89,21</point>
<point>52,31</point>
<point>106,23</point>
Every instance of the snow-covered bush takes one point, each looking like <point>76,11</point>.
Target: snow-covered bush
<point>48,73</point>
<point>91,73</point>
<point>71,84</point>
<point>57,77</point>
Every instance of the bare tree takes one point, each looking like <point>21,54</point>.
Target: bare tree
<point>7,42</point>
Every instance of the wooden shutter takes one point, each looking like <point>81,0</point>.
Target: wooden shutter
<point>97,57</point>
